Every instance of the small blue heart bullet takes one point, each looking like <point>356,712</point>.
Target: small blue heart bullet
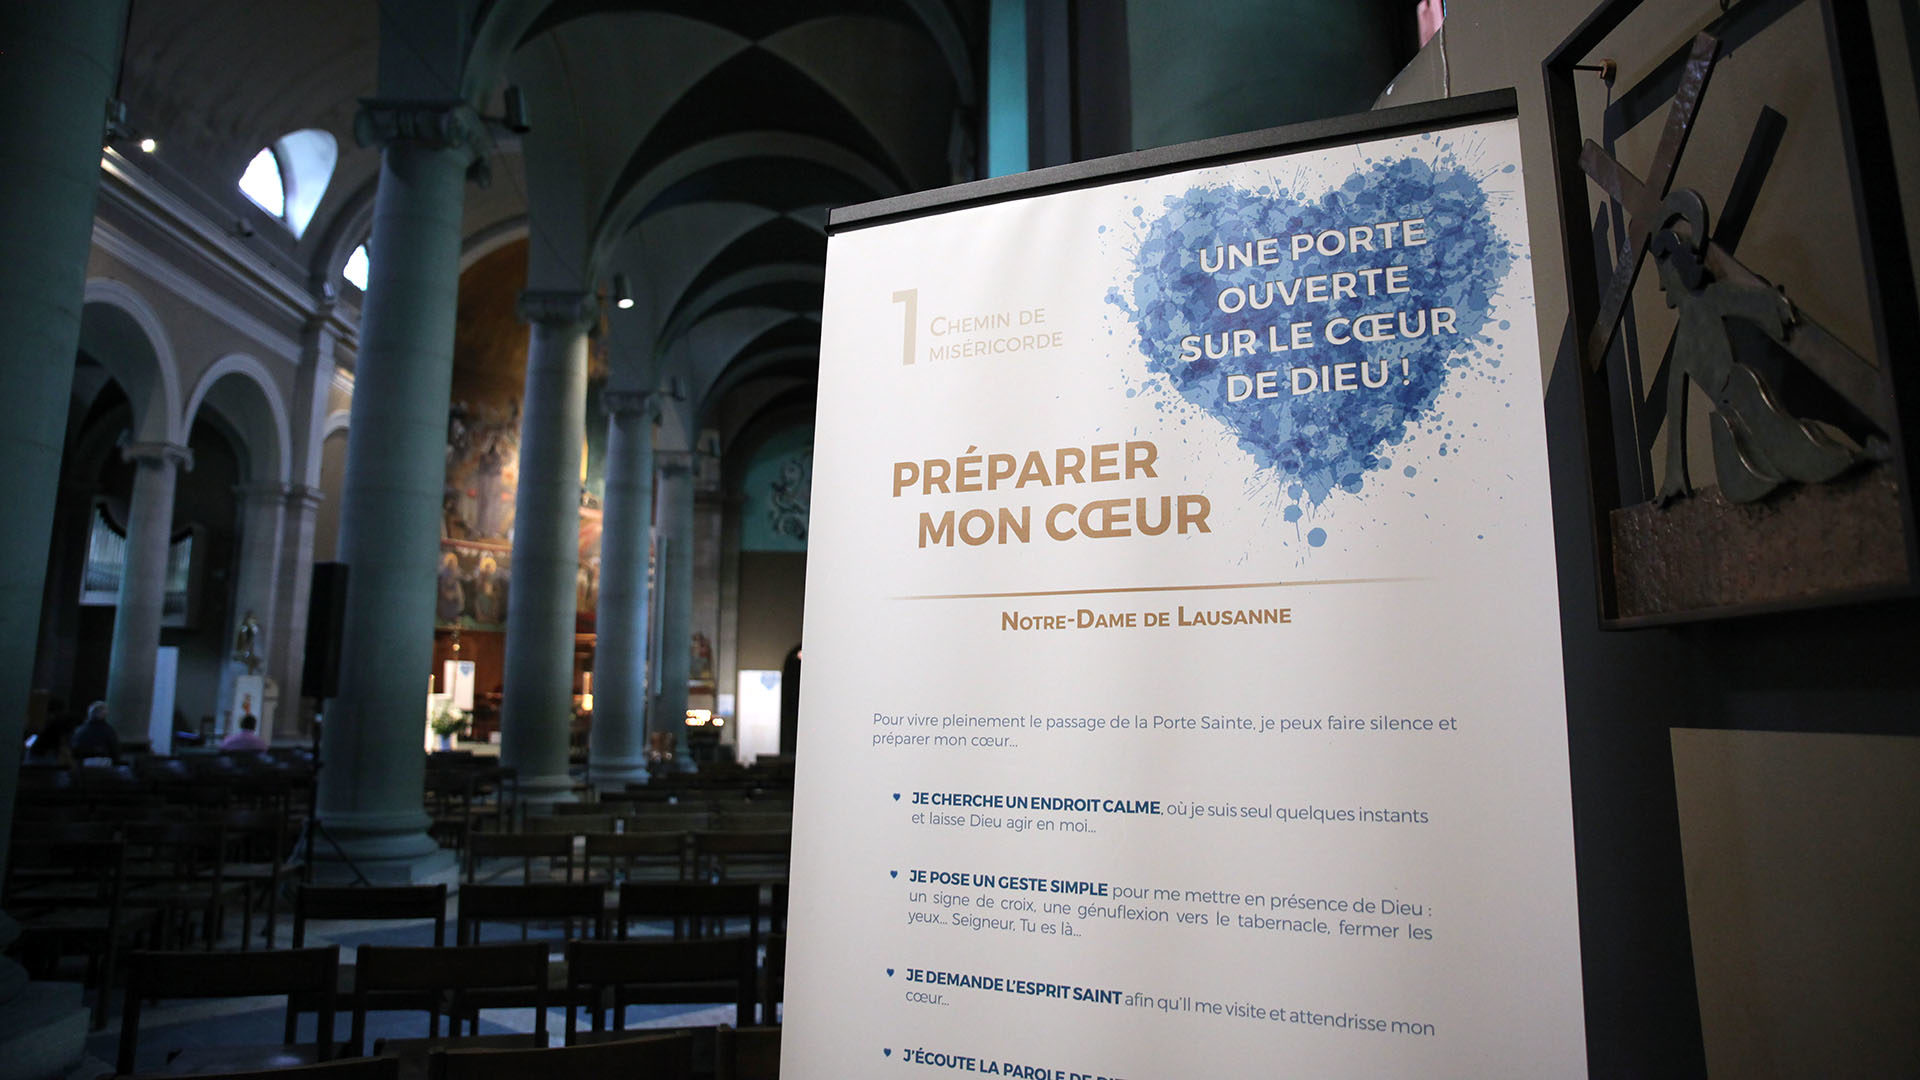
<point>893,873</point>
<point>889,973</point>
<point>886,1051</point>
<point>896,796</point>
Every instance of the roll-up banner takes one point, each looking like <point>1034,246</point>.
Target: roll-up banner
<point>1183,678</point>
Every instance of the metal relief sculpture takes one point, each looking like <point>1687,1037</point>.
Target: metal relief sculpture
<point>1758,444</point>
<point>1812,456</point>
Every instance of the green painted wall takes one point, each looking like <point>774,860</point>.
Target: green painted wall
<point>1228,66</point>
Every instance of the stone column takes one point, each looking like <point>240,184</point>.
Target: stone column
<point>320,339</point>
<point>676,598</point>
<point>287,638</point>
<point>262,510</point>
<point>537,709</point>
<point>618,748</point>
<point>374,764</point>
<point>57,64</point>
<point>143,585</point>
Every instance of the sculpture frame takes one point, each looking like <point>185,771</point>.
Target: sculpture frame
<point>1617,435</point>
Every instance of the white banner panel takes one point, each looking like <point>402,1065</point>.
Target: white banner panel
<point>1183,691</point>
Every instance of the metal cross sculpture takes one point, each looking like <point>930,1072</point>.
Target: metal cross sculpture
<point>1757,444</point>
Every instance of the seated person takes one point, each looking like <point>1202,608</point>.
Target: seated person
<point>244,737</point>
<point>95,738</point>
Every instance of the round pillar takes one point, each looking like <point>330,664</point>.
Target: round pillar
<point>143,587</point>
<point>676,599</point>
<point>617,750</point>
<point>373,773</point>
<point>58,69</point>
<point>536,713</point>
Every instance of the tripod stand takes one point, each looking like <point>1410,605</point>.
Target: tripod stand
<point>314,824</point>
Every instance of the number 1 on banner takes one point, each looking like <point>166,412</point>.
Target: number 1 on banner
<point>911,298</point>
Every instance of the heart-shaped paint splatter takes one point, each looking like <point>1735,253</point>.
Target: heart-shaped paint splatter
<point>1186,271</point>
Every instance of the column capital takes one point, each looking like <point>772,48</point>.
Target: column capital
<point>304,496</point>
<point>675,462</point>
<point>560,308</point>
<point>436,125</point>
<point>644,403</point>
<point>158,453</point>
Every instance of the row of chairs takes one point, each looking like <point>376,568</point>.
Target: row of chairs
<point>458,981</point>
<point>697,913</point>
<point>609,857</point>
<point>96,888</point>
<point>242,846</point>
<point>668,817</point>
<point>739,1054</point>
<point>55,792</point>
<point>465,795</point>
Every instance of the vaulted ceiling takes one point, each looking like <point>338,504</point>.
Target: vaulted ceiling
<point>691,146</point>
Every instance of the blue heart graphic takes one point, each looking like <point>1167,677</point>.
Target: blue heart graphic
<point>893,873</point>
<point>886,1051</point>
<point>896,796</point>
<point>889,973</point>
<point>1317,443</point>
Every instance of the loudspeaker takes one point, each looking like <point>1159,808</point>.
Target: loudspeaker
<point>326,611</point>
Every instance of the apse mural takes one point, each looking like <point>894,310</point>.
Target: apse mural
<point>483,454</point>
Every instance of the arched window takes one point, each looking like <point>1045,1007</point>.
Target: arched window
<point>261,183</point>
<point>288,178</point>
<point>355,271</point>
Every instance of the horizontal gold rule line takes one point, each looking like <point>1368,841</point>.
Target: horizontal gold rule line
<point>1161,588</point>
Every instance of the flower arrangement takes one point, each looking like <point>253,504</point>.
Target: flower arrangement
<point>448,720</point>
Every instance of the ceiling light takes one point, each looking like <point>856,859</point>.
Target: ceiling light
<point>622,292</point>
<point>149,145</point>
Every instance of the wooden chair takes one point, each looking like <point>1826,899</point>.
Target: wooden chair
<point>370,903</point>
<point>265,842</point>
<point>524,903</point>
<point>677,818</point>
<point>639,794</point>
<point>364,904</point>
<point>647,856</point>
<point>750,1053</point>
<point>763,856</point>
<point>616,974</point>
<point>654,1057</point>
<point>465,797</point>
<point>281,972</point>
<point>582,905</point>
<point>437,980</point>
<point>568,824</point>
<point>697,910</point>
<point>756,821</point>
<point>185,872</point>
<point>66,886</point>
<point>554,847</point>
